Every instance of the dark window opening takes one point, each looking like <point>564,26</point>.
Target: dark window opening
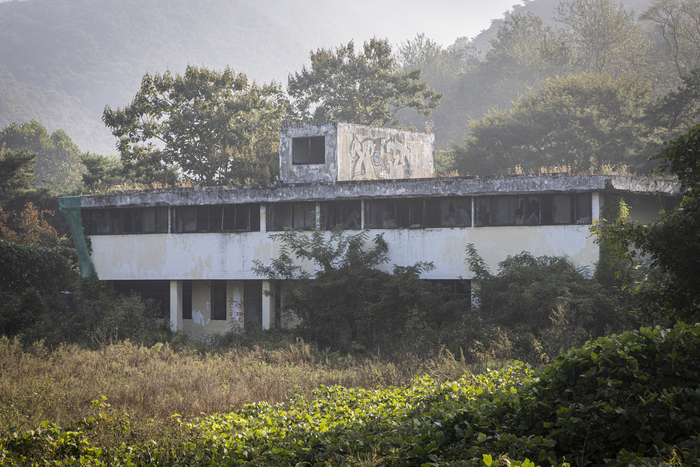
<point>418,213</point>
<point>186,299</point>
<point>583,209</point>
<point>343,215</point>
<point>310,150</point>
<point>125,221</point>
<point>241,218</point>
<point>252,305</point>
<point>558,209</point>
<point>158,291</point>
<point>300,216</point>
<point>218,300</point>
<point>216,218</point>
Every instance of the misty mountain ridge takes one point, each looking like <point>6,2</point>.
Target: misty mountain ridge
<point>64,60</point>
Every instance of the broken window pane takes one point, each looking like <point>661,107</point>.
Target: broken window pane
<point>482,205</point>
<point>291,216</point>
<point>583,208</point>
<point>344,215</point>
<point>455,212</point>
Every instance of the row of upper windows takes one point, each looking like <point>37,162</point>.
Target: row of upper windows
<point>346,215</point>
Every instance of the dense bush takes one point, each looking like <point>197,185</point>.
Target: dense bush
<point>626,400</point>
<point>43,298</point>
<point>350,304</point>
<point>545,304</point>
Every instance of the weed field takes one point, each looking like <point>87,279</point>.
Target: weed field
<point>632,399</point>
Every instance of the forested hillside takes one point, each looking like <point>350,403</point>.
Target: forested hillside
<point>62,61</point>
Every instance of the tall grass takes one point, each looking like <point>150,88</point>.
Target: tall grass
<point>38,384</point>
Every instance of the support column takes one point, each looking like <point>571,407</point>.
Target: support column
<point>176,306</point>
<point>595,206</point>
<point>362,214</point>
<point>263,217</point>
<point>473,220</point>
<point>268,305</point>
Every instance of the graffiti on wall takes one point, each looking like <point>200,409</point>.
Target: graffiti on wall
<point>379,158</point>
<point>235,305</point>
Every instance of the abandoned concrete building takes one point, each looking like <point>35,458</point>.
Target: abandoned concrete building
<point>193,249</point>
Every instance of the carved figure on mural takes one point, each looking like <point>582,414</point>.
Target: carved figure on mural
<point>236,306</point>
<point>379,158</point>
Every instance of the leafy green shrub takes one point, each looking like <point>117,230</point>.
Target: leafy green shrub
<point>615,401</point>
<point>43,298</point>
<point>350,304</point>
<point>545,303</point>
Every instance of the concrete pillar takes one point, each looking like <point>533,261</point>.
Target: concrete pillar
<point>263,217</point>
<point>595,206</point>
<point>362,213</point>
<point>268,305</point>
<point>473,212</point>
<point>176,306</point>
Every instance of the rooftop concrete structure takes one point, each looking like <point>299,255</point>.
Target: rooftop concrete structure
<point>335,152</point>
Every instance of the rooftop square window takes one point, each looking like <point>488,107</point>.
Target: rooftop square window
<point>309,150</point>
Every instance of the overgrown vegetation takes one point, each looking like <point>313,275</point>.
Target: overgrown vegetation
<point>667,250</point>
<point>186,377</point>
<point>531,309</point>
<point>43,298</point>
<point>351,304</point>
<point>625,400</point>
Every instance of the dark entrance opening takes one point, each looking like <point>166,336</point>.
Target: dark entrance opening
<point>159,291</point>
<point>252,305</point>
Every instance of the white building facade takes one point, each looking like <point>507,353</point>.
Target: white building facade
<point>194,249</point>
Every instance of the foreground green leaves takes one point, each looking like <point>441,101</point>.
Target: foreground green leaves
<point>632,399</point>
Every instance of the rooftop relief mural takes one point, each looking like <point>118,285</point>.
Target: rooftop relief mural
<point>379,158</point>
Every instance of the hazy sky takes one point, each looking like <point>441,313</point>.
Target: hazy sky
<point>441,20</point>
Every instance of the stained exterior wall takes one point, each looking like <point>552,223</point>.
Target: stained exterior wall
<point>358,152</point>
<point>370,153</point>
<point>203,257</point>
<point>208,256</point>
<point>325,173</point>
<point>201,324</point>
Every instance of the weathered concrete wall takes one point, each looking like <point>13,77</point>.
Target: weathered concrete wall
<point>381,189</point>
<point>325,173</point>
<point>201,325</point>
<point>209,256</point>
<point>371,153</point>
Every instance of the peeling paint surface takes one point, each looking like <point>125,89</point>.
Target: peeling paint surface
<point>207,256</point>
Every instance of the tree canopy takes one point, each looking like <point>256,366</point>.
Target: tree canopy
<point>604,36</point>
<point>678,23</point>
<point>367,87</point>
<point>580,122</point>
<point>215,127</point>
<point>57,157</point>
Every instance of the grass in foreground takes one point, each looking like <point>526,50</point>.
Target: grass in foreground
<point>38,384</point>
<point>632,399</point>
